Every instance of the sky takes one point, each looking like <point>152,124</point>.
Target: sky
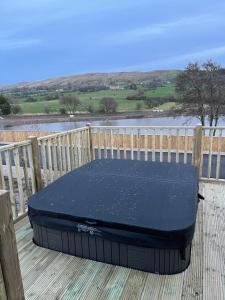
<point>41,39</point>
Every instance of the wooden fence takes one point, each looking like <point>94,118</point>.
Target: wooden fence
<point>177,144</point>
<point>28,166</point>
<point>14,136</point>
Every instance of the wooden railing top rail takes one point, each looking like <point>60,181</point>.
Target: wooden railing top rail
<point>146,126</point>
<point>62,133</point>
<point>213,127</point>
<point>14,145</point>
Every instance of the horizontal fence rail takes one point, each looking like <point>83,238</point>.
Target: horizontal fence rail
<point>28,166</point>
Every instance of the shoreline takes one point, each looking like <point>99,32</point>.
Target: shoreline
<point>38,119</point>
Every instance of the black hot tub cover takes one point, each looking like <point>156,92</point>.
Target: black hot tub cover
<point>150,204</point>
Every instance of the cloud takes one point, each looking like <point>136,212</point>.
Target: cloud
<point>146,32</point>
<point>172,61</point>
<point>7,44</point>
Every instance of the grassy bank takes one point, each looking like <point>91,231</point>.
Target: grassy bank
<point>94,98</point>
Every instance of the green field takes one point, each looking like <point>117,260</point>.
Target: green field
<point>94,98</point>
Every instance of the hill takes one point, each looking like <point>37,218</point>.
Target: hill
<point>112,80</point>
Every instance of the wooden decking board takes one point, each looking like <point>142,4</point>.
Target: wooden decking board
<point>51,275</point>
<point>116,284</point>
<point>22,233</point>
<point>47,278</point>
<point>99,282</point>
<point>152,288</point>
<point>60,282</point>
<point>193,278</point>
<point>83,281</point>
<point>213,264</point>
<point>134,285</point>
<point>40,269</point>
<point>172,288</point>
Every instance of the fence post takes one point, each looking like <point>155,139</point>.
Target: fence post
<point>197,147</point>
<point>2,286</point>
<point>90,141</point>
<point>9,260</point>
<point>36,162</point>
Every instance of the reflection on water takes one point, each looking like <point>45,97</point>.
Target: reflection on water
<point>163,121</point>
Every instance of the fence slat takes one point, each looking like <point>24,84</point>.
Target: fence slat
<point>218,159</point>
<point>185,144</point>
<point>76,152</point>
<point>30,158</point>
<point>124,144</point>
<point>177,145</point>
<point>132,143</point>
<point>161,145</point>
<point>138,144</point>
<point>10,179</point>
<point>2,179</point>
<point>55,165</point>
<point>210,154</point>
<point>118,143</point>
<point>146,145</point>
<point>49,155</point>
<point>79,149</point>
<point>153,145</point>
<point>19,179</point>
<point>105,144</point>
<point>99,144</point>
<point>71,151</point>
<point>44,162</point>
<point>62,154</point>
<point>111,143</point>
<point>25,170</point>
<point>59,145</point>
<point>169,144</point>
<point>66,153</point>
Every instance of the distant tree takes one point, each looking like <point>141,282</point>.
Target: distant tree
<point>92,88</point>
<point>136,97</point>
<point>31,99</point>
<point>133,86</point>
<point>5,107</point>
<point>16,109</point>
<point>108,105</point>
<point>62,111</point>
<point>70,103</point>
<point>51,96</point>
<point>202,91</point>
<point>47,109</point>
<point>90,108</point>
<point>151,102</point>
<point>138,106</point>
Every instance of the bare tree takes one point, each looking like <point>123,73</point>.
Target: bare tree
<point>47,110</point>
<point>108,105</point>
<point>70,102</point>
<point>202,91</point>
<point>151,102</point>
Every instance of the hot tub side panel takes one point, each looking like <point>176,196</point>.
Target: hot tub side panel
<point>159,261</point>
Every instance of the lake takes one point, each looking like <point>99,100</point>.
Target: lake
<point>64,126</point>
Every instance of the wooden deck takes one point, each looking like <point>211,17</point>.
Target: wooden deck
<point>52,275</point>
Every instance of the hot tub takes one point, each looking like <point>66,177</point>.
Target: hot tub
<point>134,214</point>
